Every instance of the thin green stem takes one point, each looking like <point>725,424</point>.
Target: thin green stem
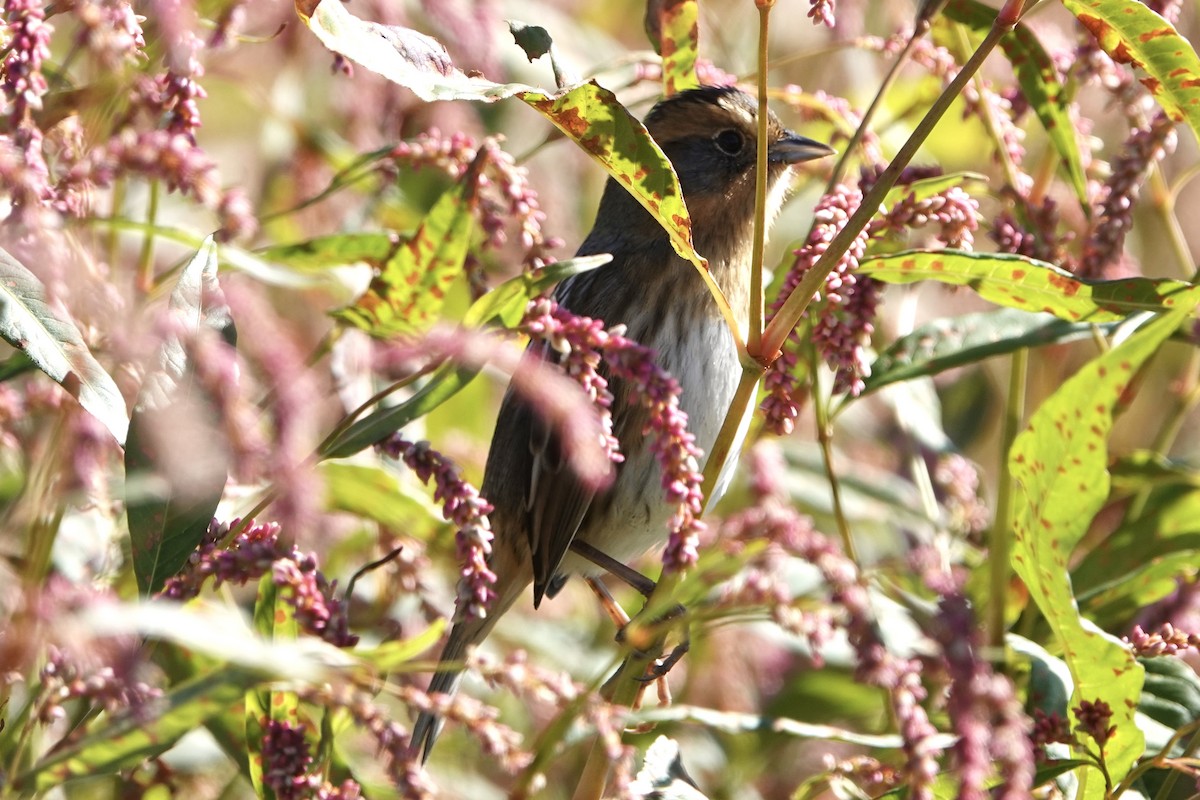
<point>721,448</point>
<point>1000,544</point>
<point>754,336</point>
<point>145,268</point>
<point>789,315</point>
<point>825,440</point>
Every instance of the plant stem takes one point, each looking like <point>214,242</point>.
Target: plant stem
<point>754,336</point>
<point>789,315</point>
<point>1000,540</point>
<point>825,439</point>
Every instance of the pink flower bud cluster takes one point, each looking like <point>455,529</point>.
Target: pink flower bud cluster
<point>1092,719</point>
<point>1043,239</point>
<point>253,553</point>
<point>463,506</point>
<point>992,729</point>
<point>109,31</point>
<point>1145,147</point>
<point>63,681</point>
<point>24,175</point>
<point>504,188</point>
<point>584,341</point>
<point>1166,641</point>
<point>821,12</point>
<point>287,758</point>
<point>841,326</point>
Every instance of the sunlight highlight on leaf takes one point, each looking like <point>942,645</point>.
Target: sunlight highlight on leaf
<point>1133,34</point>
<point>56,346</point>
<point>1019,282</point>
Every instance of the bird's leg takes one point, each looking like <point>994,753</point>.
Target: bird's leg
<point>645,587</point>
<point>626,574</point>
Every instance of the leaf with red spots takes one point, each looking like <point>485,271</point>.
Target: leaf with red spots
<point>1038,78</point>
<point>591,115</point>
<point>1030,285</point>
<point>674,30</point>
<point>1059,465</point>
<point>1133,34</point>
<point>407,295</point>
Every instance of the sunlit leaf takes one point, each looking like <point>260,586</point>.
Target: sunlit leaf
<point>371,492</point>
<point>50,340</point>
<point>592,117</point>
<point>1059,465</point>
<point>674,29</point>
<point>1039,84</point>
<point>505,305</point>
<point>407,295</point>
<point>338,249</point>
<point>402,55</point>
<point>126,740</point>
<point>1030,285</point>
<point>176,462</point>
<point>1132,33</point>
<point>951,342</point>
<point>395,655</point>
<point>925,188</point>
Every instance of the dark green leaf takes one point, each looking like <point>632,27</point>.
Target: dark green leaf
<point>951,342</point>
<point>51,341</point>
<point>176,462</point>
<point>533,39</point>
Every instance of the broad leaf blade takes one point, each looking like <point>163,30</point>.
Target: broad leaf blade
<point>335,250</point>
<point>1133,34</point>
<point>54,343</point>
<point>176,463</point>
<point>673,26</point>
<point>408,294</point>
<point>1031,285</point>
<point>962,341</point>
<point>1059,464</point>
<point>591,116</point>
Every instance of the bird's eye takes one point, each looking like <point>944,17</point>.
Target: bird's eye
<point>730,142</point>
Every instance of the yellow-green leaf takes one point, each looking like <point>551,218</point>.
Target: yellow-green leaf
<point>1133,34</point>
<point>674,29</point>
<point>407,296</point>
<point>1024,283</point>
<point>1060,467</point>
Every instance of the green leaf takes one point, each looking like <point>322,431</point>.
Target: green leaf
<point>274,620</point>
<point>1170,523</point>
<point>126,740</point>
<point>1172,692</point>
<point>408,294</point>
<point>1133,34</point>
<point>371,492</point>
<point>1039,83</point>
<point>51,341</point>
<point>177,460</point>
<point>395,655</point>
<point>1059,465</point>
<point>335,250</point>
<point>1031,285</point>
<point>505,305</point>
<point>674,29</point>
<point>592,117</point>
<point>950,342</point>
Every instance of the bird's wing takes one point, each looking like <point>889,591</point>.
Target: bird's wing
<point>556,501</point>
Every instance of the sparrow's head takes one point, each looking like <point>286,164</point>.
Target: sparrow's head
<point>711,134</point>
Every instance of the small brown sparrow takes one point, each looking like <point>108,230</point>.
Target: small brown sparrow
<point>709,134</point>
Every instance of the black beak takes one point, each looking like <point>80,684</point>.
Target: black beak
<point>793,148</point>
